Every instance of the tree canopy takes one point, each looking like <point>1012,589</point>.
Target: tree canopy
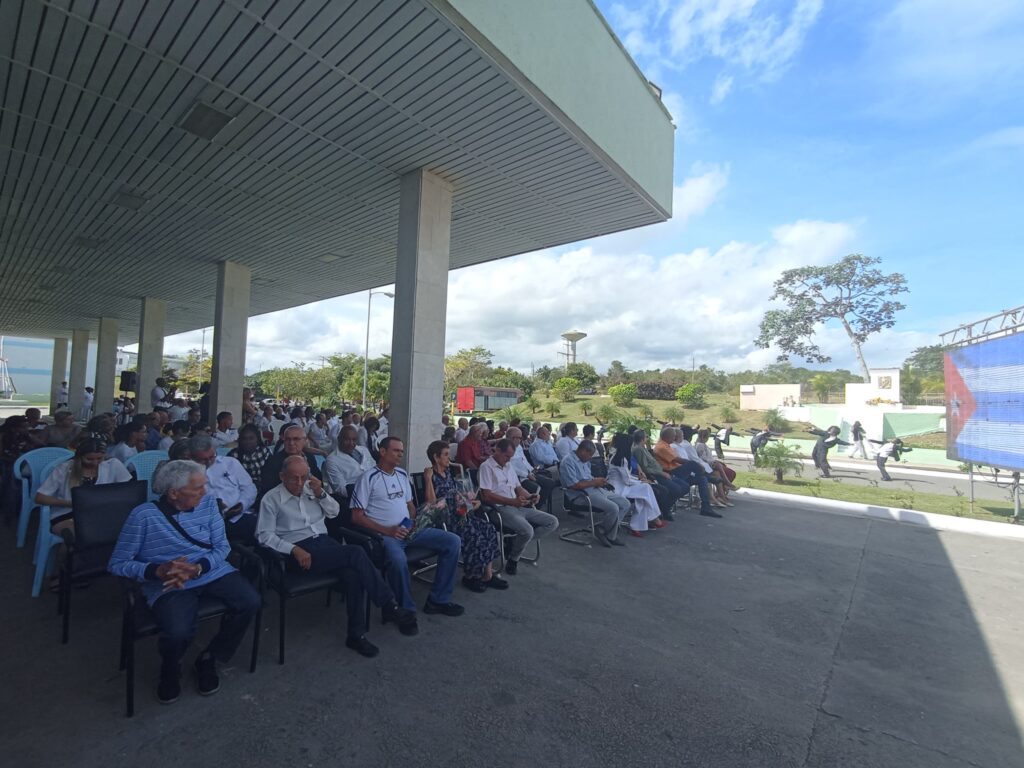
<point>852,292</point>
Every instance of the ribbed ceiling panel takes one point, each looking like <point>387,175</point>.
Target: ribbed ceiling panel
<point>331,103</point>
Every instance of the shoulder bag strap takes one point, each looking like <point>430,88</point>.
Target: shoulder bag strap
<point>182,533</point>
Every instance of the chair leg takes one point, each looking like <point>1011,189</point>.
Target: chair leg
<point>280,630</point>
<point>65,599</point>
<point>257,630</point>
<point>130,678</point>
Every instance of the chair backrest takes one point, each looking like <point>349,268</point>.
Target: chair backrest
<point>37,461</point>
<point>144,464</point>
<point>419,490</point>
<point>320,461</point>
<point>99,511</point>
<point>223,451</point>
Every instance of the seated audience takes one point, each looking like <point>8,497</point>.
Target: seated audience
<point>293,443</point>
<point>225,434</point>
<point>90,466</point>
<point>319,436</point>
<point>382,501</point>
<point>228,481</point>
<point>63,432</point>
<point>176,547</point>
<point>687,452</point>
<point>500,487</point>
<point>533,480</point>
<point>480,544</point>
<point>462,431</point>
<point>179,431</point>
<point>129,439</point>
<point>686,472</point>
<point>474,448</point>
<point>666,488</point>
<point>542,452</point>
<point>291,521</point>
<point>577,481</point>
<point>568,442</point>
<point>251,452</point>
<point>628,486</point>
<point>344,466</point>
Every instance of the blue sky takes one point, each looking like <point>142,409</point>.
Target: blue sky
<point>807,129</point>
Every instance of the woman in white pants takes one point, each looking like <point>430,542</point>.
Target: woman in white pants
<point>637,491</point>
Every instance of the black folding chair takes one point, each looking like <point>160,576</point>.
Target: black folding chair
<point>582,508</point>
<point>98,513</point>
<point>138,621</point>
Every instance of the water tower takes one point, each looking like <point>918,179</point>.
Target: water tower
<point>571,337</point>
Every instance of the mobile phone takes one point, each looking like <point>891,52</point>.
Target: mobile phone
<point>406,523</point>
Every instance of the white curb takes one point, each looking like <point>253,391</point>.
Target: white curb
<point>893,514</point>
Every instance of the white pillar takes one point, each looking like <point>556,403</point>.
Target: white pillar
<point>79,361</point>
<point>59,370</point>
<point>230,326</point>
<point>421,296</point>
<point>151,349</point>
<point>106,364</point>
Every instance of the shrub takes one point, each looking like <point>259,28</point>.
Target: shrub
<point>656,390</point>
<point>606,413</point>
<point>552,408</point>
<point>645,413</point>
<point>532,403</point>
<point>728,413</point>
<point>566,389</point>
<point>674,414</point>
<point>587,407</point>
<point>511,412</point>
<point>623,395</point>
<point>780,458</point>
<point>691,395</point>
<point>775,421</point>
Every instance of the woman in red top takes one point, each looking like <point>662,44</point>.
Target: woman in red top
<point>474,449</point>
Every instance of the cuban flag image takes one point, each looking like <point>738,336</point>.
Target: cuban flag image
<point>985,403</point>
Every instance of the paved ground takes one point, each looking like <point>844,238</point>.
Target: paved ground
<point>774,637</point>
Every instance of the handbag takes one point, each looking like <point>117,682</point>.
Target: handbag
<point>429,515</point>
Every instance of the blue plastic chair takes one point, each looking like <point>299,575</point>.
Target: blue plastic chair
<point>37,461</point>
<point>223,451</point>
<point>46,541</point>
<point>320,461</point>
<point>143,465</point>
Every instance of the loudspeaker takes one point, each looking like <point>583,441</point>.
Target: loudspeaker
<point>129,381</point>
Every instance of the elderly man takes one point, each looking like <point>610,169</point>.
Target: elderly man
<point>225,434</point>
<point>666,488</point>
<point>542,452</point>
<point>345,464</point>
<point>462,431</point>
<point>500,487</point>
<point>685,471</point>
<point>176,547</point>
<point>577,480</point>
<point>63,432</point>
<point>382,502</point>
<point>293,443</point>
<point>291,522</point>
<point>229,482</point>
<point>545,481</point>
<point>154,423</point>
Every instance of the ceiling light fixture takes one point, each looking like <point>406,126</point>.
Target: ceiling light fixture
<point>126,197</point>
<point>205,121</point>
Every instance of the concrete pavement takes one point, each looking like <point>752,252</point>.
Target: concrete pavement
<point>772,637</point>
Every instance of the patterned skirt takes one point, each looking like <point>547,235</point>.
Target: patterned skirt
<point>479,543</point>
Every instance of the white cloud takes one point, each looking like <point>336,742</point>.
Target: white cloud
<point>1005,138</point>
<point>721,88</point>
<point>697,193</point>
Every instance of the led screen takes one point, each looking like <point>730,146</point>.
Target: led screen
<point>985,403</point>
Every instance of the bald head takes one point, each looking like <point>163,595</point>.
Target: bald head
<point>294,474</point>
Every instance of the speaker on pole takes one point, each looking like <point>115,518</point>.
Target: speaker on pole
<point>129,381</point>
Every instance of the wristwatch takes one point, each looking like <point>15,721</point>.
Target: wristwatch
<point>200,567</point>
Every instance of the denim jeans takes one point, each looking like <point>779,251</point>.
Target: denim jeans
<point>446,545</point>
<point>692,473</point>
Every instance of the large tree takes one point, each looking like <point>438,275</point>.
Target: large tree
<point>465,368</point>
<point>852,292</point>
<point>927,361</point>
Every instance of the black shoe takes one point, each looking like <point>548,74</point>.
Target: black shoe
<point>616,543</point>
<point>448,609</point>
<point>511,567</point>
<point>362,646</point>
<point>168,689</point>
<point>403,617</point>
<point>206,675</point>
<point>601,538</point>
<point>670,515</point>
<point>709,513</point>
<point>496,582</point>
<point>473,585</point>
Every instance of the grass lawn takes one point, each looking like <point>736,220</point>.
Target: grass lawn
<point>703,416</point>
<point>887,495</point>
<point>934,440</point>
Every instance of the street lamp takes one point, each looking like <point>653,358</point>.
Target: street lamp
<point>366,355</point>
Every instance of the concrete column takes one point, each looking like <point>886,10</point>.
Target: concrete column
<point>59,369</point>
<point>106,364</point>
<point>230,326</point>
<point>421,296</point>
<point>151,349</point>
<point>79,361</point>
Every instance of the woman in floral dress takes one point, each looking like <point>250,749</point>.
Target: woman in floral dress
<point>479,538</point>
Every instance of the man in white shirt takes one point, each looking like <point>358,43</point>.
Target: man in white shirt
<point>544,481</point>
<point>87,397</point>
<point>382,430</point>
<point>345,465</point>
<point>226,434</point>
<point>291,521</point>
<point>462,431</point>
<point>685,448</point>
<point>178,411</point>
<point>500,487</point>
<point>382,502</point>
<point>158,395</point>
<point>62,395</point>
<point>229,481</point>
<point>569,441</point>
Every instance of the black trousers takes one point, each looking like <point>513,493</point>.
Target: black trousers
<point>880,463</point>
<point>359,575</point>
<point>544,485</point>
<point>177,615</point>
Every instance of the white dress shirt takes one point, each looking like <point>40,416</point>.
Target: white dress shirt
<point>228,480</point>
<point>285,519</point>
<point>177,413</point>
<point>341,470</point>
<point>519,463</point>
<point>225,437</point>
<point>499,480</point>
<point>566,445</point>
<point>121,451</point>
<point>58,483</point>
<point>689,453</point>
<point>157,395</point>
<point>382,430</point>
<point>460,434</point>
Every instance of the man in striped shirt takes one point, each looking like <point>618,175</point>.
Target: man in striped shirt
<point>177,548</point>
